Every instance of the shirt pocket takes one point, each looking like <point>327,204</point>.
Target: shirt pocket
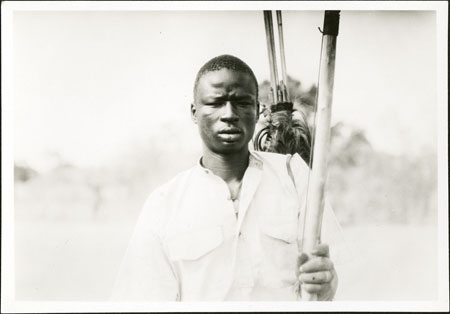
<point>202,260</point>
<point>194,244</point>
<point>279,253</point>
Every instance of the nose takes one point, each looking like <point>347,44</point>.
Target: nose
<point>228,114</point>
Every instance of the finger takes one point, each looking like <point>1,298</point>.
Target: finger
<point>301,259</point>
<point>315,288</point>
<point>321,250</point>
<point>317,277</point>
<point>316,264</point>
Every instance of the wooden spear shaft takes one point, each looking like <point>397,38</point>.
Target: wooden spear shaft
<point>318,174</point>
<point>272,56</point>
<point>283,86</point>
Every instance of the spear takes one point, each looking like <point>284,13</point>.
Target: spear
<point>279,91</point>
<point>317,177</point>
<point>268,23</point>
<point>283,83</point>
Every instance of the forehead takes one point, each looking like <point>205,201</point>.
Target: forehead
<point>226,80</point>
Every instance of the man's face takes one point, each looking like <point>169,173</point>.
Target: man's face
<point>225,110</point>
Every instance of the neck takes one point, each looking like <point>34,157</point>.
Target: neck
<point>229,167</point>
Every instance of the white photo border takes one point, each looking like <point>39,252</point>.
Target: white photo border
<point>8,303</point>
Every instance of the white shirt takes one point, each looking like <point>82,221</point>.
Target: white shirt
<point>189,246</point>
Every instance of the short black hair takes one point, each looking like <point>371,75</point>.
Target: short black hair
<point>224,62</point>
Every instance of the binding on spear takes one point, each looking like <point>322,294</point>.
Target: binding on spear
<point>282,134</point>
<point>288,136</point>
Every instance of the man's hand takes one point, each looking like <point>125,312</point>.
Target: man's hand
<point>316,273</point>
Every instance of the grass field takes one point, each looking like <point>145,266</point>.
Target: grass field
<point>78,261</point>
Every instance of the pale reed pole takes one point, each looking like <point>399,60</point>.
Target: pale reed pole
<point>318,174</point>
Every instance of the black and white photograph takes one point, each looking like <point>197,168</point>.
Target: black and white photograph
<point>224,156</point>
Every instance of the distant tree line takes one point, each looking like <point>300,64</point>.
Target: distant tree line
<point>364,185</point>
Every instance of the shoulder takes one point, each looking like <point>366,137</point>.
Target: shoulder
<point>280,160</point>
<point>286,168</point>
<point>172,186</point>
<point>157,206</point>
<point>273,161</point>
<point>269,157</point>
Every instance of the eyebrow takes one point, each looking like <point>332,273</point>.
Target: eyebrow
<point>232,97</point>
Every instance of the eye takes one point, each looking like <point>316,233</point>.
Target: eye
<point>244,103</point>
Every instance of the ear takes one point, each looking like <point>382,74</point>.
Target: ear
<point>257,110</point>
<point>193,113</point>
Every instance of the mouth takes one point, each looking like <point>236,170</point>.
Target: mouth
<point>230,134</point>
<point>230,130</point>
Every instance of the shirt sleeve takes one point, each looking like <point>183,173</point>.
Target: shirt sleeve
<point>146,273</point>
<point>333,235</point>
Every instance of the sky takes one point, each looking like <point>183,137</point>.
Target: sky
<point>87,83</point>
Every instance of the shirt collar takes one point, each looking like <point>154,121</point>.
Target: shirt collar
<point>255,161</point>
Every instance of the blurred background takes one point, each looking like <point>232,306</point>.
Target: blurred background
<point>101,117</point>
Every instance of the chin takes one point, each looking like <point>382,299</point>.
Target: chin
<point>231,149</point>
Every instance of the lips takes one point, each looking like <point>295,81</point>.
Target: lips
<point>230,135</point>
<point>230,131</point>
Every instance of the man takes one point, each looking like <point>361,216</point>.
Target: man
<point>228,228</point>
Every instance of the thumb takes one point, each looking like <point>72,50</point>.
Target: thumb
<point>301,259</point>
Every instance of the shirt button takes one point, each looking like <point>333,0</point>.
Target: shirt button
<point>240,235</point>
